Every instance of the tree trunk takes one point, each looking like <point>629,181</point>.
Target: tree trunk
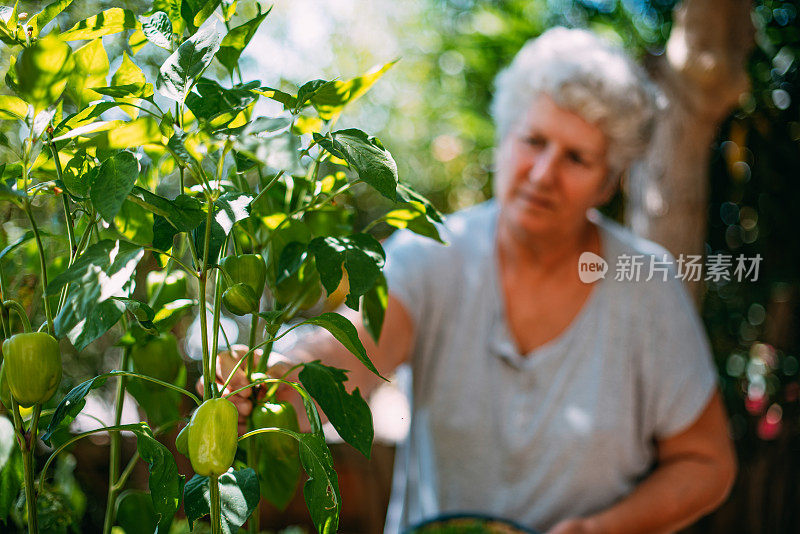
<point>702,74</point>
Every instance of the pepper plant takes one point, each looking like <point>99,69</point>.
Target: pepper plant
<point>241,212</point>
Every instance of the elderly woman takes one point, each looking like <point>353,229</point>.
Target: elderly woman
<point>566,406</point>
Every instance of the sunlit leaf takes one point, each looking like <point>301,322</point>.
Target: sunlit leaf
<point>365,155</point>
<point>173,10</point>
<point>158,29</point>
<point>114,182</point>
<point>179,72</point>
<point>237,39</point>
<point>113,20</point>
<point>330,100</point>
<point>51,11</point>
<point>98,274</point>
<point>12,107</point>
<point>91,68</point>
<point>42,70</point>
<point>413,217</point>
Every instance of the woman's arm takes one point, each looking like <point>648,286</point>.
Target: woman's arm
<point>694,474</point>
<point>394,348</point>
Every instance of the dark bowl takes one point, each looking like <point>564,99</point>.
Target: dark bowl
<point>466,523</point>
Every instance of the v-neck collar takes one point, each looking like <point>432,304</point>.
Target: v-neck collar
<point>501,342</point>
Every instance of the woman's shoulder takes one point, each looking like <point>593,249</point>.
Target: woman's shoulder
<point>620,240</point>
<point>642,270</point>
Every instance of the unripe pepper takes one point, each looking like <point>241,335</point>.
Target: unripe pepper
<point>212,437</point>
<point>32,367</point>
<point>158,357</point>
<point>239,299</point>
<point>247,269</point>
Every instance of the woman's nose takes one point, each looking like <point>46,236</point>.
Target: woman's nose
<point>543,171</point>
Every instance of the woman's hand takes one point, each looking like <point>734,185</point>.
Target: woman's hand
<point>226,361</point>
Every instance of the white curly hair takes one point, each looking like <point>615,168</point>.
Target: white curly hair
<point>588,76</point>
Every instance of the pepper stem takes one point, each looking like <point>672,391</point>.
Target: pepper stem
<point>17,307</point>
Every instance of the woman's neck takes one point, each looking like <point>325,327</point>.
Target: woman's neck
<point>545,253</point>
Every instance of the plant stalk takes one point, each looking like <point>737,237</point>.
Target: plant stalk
<point>29,464</point>
<point>208,378</point>
<point>42,266</point>
<point>252,449</point>
<point>116,452</point>
<point>216,516</point>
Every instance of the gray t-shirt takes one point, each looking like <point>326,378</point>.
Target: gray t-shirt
<point>564,431</point>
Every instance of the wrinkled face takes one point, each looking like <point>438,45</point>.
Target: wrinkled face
<point>551,168</point>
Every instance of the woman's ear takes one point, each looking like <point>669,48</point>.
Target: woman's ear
<point>608,190</point>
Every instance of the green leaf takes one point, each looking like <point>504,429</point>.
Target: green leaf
<point>134,223</point>
<point>51,11</point>
<point>158,29</point>
<point>291,259</point>
<point>365,155</point>
<point>308,90</point>
<point>135,512</point>
<point>237,39</point>
<point>114,182</point>
<point>183,214</point>
<point>362,257</point>
<point>203,9</point>
<point>84,323</point>
<point>178,73</point>
<point>168,315</point>
<point>71,405</point>
<point>128,82</point>
<point>321,490</point>
<point>110,21</point>
<point>42,70</point>
<point>165,484</point>
<point>122,135</point>
<point>78,175</point>
<point>344,331</point>
<point>375,302</point>
<point>277,95</point>
<point>218,105</point>
<point>12,107</point>
<point>143,313</point>
<point>228,210</point>
<point>173,10</point>
<point>348,412</point>
<point>331,99</point>
<point>91,68</point>
<point>100,273</point>
<point>27,236</point>
<point>11,468</point>
<point>239,495</point>
<point>413,217</point>
<point>83,118</point>
<point>407,194</point>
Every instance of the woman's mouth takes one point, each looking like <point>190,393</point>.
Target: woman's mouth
<point>536,201</point>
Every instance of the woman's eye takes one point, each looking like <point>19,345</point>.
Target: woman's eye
<point>535,141</point>
<point>576,158</point>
